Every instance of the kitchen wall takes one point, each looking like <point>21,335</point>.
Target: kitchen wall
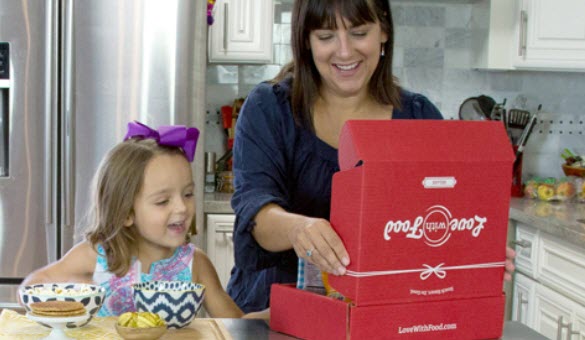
<point>433,57</point>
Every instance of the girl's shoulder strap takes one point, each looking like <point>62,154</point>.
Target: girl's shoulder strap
<point>100,250</point>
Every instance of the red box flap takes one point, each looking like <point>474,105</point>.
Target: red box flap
<point>298,312</point>
<point>407,140</point>
<point>425,217</point>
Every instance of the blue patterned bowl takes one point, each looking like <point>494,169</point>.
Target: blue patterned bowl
<point>91,296</point>
<point>177,302</point>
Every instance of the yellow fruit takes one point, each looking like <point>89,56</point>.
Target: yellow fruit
<point>143,322</point>
<point>545,192</point>
<point>566,190</point>
<point>140,320</point>
<point>125,319</point>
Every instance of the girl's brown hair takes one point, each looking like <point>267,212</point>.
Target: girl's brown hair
<point>116,184</point>
<point>309,15</point>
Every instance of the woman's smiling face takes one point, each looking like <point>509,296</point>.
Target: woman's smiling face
<point>346,56</point>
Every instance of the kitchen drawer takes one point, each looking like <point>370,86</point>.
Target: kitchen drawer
<point>554,314</point>
<point>526,246</point>
<point>523,299</point>
<point>220,244</point>
<point>562,265</point>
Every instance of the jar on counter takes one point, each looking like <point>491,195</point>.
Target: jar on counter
<point>209,171</point>
<point>225,181</point>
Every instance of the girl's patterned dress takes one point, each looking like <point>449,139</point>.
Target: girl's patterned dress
<point>119,298</point>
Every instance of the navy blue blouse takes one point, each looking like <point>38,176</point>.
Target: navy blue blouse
<point>277,161</point>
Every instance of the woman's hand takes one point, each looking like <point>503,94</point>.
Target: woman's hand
<point>510,255</point>
<point>315,241</point>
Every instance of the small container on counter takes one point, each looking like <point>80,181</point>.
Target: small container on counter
<point>210,172</point>
<point>225,181</point>
<point>551,189</point>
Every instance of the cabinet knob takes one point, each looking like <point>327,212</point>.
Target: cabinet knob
<point>523,34</point>
<point>521,301</point>
<point>560,326</point>
<point>522,243</point>
<point>225,26</point>
<point>571,332</point>
<point>227,233</point>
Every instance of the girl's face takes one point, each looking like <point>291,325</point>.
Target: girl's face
<point>346,57</point>
<point>165,206</point>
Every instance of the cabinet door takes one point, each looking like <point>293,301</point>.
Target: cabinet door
<point>551,35</point>
<point>578,326</point>
<point>523,299</point>
<point>562,265</point>
<point>553,313</point>
<point>526,246</point>
<point>242,31</point>
<point>220,244</point>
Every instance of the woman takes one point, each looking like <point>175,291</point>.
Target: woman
<point>285,151</point>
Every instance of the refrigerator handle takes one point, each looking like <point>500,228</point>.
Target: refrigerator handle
<point>68,123</point>
<point>51,110</point>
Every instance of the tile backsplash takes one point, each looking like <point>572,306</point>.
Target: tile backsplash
<point>433,56</point>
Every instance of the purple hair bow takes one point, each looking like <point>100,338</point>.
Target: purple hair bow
<point>171,135</point>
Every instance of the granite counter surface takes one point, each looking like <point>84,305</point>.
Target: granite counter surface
<point>563,220</point>
<point>217,203</point>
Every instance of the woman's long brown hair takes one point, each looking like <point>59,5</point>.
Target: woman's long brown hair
<point>309,15</point>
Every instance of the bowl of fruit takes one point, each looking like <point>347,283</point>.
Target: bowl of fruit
<point>140,326</point>
<point>574,164</point>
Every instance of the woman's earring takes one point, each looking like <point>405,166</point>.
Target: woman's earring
<point>382,53</point>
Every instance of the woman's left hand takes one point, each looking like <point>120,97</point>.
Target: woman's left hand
<point>510,255</point>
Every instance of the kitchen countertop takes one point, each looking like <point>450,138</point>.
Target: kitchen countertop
<point>241,329</point>
<point>217,203</point>
<point>563,220</point>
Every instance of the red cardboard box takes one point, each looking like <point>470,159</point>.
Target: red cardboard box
<point>310,316</point>
<point>422,208</point>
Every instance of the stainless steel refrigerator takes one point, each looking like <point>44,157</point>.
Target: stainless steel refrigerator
<point>72,74</point>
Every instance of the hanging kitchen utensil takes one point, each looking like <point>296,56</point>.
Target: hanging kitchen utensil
<point>527,131</point>
<point>499,112</point>
<point>518,118</point>
<point>519,146</point>
<point>477,108</point>
<point>517,122</point>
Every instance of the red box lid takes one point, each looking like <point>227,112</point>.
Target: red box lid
<point>422,208</point>
<point>423,141</point>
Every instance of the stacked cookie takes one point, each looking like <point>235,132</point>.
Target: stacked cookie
<point>57,308</point>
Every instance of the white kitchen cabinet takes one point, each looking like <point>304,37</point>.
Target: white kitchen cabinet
<point>242,31</point>
<point>579,323</point>
<point>529,35</point>
<point>562,266</point>
<point>523,299</point>
<point>526,250</point>
<point>220,244</point>
<point>548,284</point>
<point>551,35</point>
<point>493,28</point>
<point>552,313</point>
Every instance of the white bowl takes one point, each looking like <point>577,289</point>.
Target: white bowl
<point>91,296</point>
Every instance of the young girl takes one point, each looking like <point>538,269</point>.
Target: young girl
<point>143,209</point>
